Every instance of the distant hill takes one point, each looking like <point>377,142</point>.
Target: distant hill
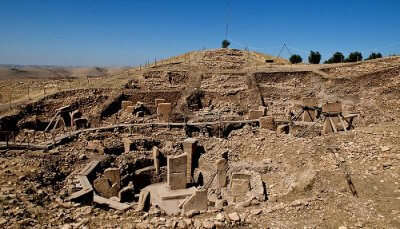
<point>53,72</point>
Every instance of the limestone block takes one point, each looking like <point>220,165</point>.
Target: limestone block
<point>113,175</point>
<point>176,171</point>
<point>267,123</point>
<point>144,200</point>
<point>164,111</point>
<point>177,164</point>
<point>197,202</point>
<point>221,172</point>
<point>240,184</point>
<point>103,187</point>
<point>176,180</point>
<point>332,107</point>
<point>240,187</point>
<point>189,147</point>
<point>156,159</point>
<point>255,114</point>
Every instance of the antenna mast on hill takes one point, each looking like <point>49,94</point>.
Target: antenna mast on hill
<point>283,47</point>
<point>228,8</point>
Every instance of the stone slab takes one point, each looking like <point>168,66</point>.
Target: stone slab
<point>189,147</point>
<point>240,187</point>
<point>89,168</point>
<point>332,107</point>
<point>177,164</point>
<point>170,206</point>
<point>267,123</point>
<point>103,187</point>
<point>176,194</point>
<point>83,180</point>
<point>255,114</point>
<point>221,165</point>
<point>197,202</point>
<point>176,180</point>
<point>113,174</point>
<point>80,194</point>
<point>156,159</point>
<point>111,203</point>
<point>164,111</point>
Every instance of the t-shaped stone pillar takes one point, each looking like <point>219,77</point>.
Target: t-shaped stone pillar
<point>176,171</point>
<point>189,147</point>
<point>221,172</point>
<point>164,111</point>
<point>156,159</point>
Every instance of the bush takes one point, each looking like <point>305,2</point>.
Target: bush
<point>225,44</point>
<point>337,57</point>
<point>314,57</point>
<point>374,56</point>
<point>295,59</point>
<point>354,57</point>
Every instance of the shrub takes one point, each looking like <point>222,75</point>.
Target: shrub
<point>337,57</point>
<point>225,44</point>
<point>374,56</point>
<point>295,59</point>
<point>354,57</point>
<point>314,57</point>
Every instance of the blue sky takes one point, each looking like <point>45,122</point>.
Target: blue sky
<point>110,33</point>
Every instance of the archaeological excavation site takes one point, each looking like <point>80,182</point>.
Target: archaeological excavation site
<point>220,138</point>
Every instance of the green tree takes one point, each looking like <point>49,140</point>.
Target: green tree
<point>225,44</point>
<point>314,57</point>
<point>354,57</point>
<point>374,56</point>
<point>295,59</point>
<point>337,57</point>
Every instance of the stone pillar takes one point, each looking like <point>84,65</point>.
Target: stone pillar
<point>267,123</point>
<point>176,171</point>
<point>256,114</point>
<point>190,147</point>
<point>222,166</point>
<point>164,111</point>
<point>332,121</point>
<point>156,159</point>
